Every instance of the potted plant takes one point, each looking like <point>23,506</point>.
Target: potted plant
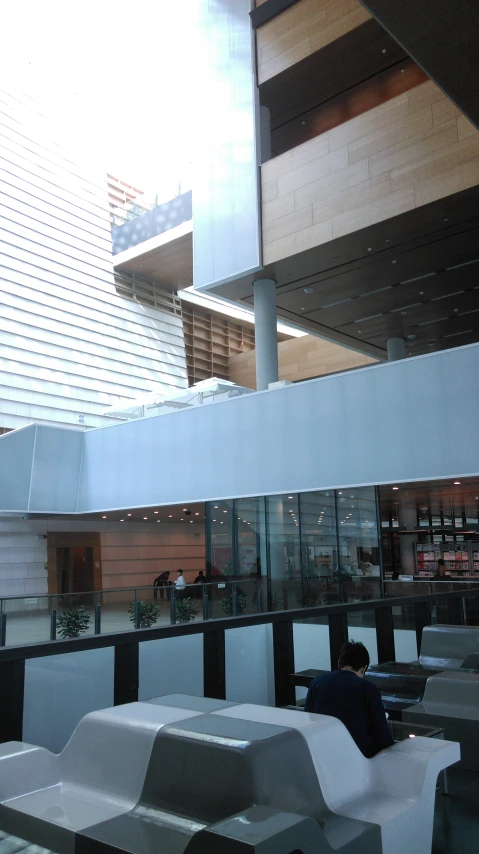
<point>186,610</point>
<point>227,603</point>
<point>147,611</point>
<point>72,623</point>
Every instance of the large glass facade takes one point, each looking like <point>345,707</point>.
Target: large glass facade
<point>311,548</point>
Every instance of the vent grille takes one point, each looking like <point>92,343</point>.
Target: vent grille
<point>143,291</point>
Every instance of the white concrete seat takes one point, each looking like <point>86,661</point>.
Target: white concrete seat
<point>99,774</point>
<point>396,789</point>
<point>451,702</point>
<point>448,646</point>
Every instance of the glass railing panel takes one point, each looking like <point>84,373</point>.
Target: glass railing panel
<point>359,588</point>
<point>61,689</point>
<point>171,666</point>
<point>249,665</point>
<point>311,651</point>
<point>28,619</point>
<point>220,600</point>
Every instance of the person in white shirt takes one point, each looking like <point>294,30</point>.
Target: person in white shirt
<point>180,583</point>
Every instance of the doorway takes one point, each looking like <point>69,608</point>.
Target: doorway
<point>75,572</point>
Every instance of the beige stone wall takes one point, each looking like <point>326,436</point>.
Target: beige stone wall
<point>303,29</point>
<point>411,150</point>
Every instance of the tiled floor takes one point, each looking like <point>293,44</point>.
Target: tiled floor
<point>456,824</point>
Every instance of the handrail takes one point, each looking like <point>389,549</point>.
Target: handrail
<point>227,580</point>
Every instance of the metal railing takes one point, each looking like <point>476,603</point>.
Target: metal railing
<point>383,617</point>
<point>46,617</point>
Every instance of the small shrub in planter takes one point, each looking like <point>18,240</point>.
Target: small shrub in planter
<point>148,613</point>
<point>71,624</point>
<point>186,610</point>
<point>227,604</point>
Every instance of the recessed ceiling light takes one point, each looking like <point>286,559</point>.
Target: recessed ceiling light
<point>384,50</point>
<point>411,337</point>
<point>225,511</point>
<point>395,487</point>
<point>215,507</point>
<point>185,509</point>
<point>145,517</point>
<point>303,123</point>
<point>156,511</point>
<point>221,523</point>
<point>158,520</point>
<point>122,520</point>
<point>446,219</point>
<point>421,293</point>
<point>370,248</point>
<point>128,514</point>
<point>290,496</point>
<point>170,516</point>
<point>303,308</point>
<point>457,483</point>
<point>191,521</point>
<point>393,262</point>
<point>456,309</point>
<point>309,290</point>
<point>340,493</point>
<point>103,517</point>
<point>402,70</point>
<point>387,240</point>
<point>214,520</point>
<point>336,258</point>
<point>404,312</point>
<point>197,514</point>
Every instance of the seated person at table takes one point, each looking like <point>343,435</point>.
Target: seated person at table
<point>345,694</point>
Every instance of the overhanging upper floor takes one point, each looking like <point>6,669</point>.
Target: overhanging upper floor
<point>409,420</point>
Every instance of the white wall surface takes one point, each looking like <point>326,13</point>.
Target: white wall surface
<point>69,344</point>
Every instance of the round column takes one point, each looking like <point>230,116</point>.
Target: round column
<point>265,333</point>
<point>396,349</point>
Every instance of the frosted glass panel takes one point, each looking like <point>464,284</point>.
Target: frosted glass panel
<point>311,649</point>
<point>60,690</point>
<point>249,665</point>
<point>171,666</point>
<point>405,645</point>
<point>364,634</point>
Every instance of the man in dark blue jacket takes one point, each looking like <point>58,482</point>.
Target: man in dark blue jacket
<point>345,694</point>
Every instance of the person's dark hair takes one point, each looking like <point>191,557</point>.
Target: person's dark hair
<point>354,655</point>
<point>440,563</point>
<point>180,571</point>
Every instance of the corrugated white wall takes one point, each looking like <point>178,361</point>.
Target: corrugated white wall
<point>69,343</point>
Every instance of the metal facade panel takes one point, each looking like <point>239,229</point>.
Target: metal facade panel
<point>71,342</point>
<point>409,420</point>
<point>56,470</point>
<point>16,457</point>
<point>226,208</point>
<point>380,424</point>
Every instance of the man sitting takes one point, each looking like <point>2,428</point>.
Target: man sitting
<point>345,694</point>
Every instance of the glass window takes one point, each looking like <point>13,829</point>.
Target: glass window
<point>282,512</point>
<point>221,518</point>
<point>358,543</point>
<point>251,540</point>
<point>318,534</point>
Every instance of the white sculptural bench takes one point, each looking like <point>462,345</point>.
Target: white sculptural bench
<point>180,774</point>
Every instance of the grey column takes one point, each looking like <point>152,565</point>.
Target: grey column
<point>396,349</point>
<point>265,332</point>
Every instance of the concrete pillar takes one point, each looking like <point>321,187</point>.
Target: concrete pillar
<point>396,349</point>
<point>265,332</point>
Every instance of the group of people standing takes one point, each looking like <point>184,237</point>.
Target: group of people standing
<point>163,580</point>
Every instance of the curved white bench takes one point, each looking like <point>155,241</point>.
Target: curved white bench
<point>451,702</point>
<point>447,646</point>
<point>99,774</point>
<point>396,789</point>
